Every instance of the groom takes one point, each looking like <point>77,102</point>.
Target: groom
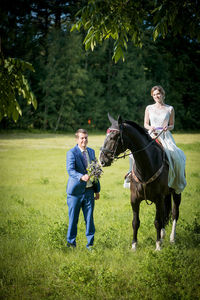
<point>80,190</point>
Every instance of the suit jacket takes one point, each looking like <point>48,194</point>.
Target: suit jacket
<point>76,169</point>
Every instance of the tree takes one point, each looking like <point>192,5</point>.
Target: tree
<point>63,81</point>
<point>12,85</point>
<point>96,83</point>
<point>23,25</point>
<point>122,20</point>
<point>115,88</point>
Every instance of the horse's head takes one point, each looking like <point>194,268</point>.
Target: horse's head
<point>113,144</point>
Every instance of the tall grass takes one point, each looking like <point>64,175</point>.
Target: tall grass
<point>34,260</point>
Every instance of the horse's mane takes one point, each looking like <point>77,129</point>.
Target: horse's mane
<point>141,129</point>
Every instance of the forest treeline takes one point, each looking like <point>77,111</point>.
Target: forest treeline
<point>77,88</point>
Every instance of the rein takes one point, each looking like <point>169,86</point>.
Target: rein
<point>126,154</point>
<point>154,177</point>
<point>140,150</point>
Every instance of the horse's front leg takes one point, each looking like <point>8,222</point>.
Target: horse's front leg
<point>159,222</point>
<point>175,215</point>
<point>136,221</point>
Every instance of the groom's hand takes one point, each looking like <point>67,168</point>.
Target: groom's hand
<point>85,177</point>
<point>97,196</point>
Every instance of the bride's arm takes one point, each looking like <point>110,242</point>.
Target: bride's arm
<point>171,121</point>
<point>146,120</point>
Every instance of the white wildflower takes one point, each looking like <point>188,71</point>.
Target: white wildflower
<point>94,170</point>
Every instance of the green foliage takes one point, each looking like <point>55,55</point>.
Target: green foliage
<point>111,19</point>
<point>75,88</point>
<point>63,81</point>
<point>13,83</point>
<point>178,18</point>
<point>123,20</point>
<point>35,262</point>
<point>118,88</point>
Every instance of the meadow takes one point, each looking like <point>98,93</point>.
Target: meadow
<point>34,260</point>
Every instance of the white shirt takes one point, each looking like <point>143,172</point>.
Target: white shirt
<point>89,182</point>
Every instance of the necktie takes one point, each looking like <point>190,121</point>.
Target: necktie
<point>85,158</point>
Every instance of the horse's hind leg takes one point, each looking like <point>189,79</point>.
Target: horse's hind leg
<point>135,223</point>
<point>167,211</point>
<point>159,222</point>
<point>175,215</point>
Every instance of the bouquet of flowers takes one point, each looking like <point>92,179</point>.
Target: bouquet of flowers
<point>94,170</point>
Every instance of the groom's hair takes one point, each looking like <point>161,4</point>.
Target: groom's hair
<point>80,130</point>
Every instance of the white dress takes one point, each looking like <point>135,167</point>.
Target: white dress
<point>160,118</point>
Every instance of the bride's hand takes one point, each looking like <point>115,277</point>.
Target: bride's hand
<point>152,129</point>
<point>165,128</point>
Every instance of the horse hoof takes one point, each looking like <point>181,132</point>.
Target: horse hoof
<point>134,247</point>
<point>158,246</point>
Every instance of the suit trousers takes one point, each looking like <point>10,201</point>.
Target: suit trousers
<point>75,203</point>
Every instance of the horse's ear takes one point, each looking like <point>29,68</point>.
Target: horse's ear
<point>119,120</point>
<point>111,119</point>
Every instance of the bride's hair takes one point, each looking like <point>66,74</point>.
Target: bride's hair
<point>160,89</point>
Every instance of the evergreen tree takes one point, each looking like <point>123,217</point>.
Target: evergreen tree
<point>62,82</point>
<point>120,88</point>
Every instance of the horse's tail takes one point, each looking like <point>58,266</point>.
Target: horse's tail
<point>168,208</point>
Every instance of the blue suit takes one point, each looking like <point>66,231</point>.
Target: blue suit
<point>78,196</point>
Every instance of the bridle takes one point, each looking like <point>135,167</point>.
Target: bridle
<point>120,138</point>
<point>113,151</point>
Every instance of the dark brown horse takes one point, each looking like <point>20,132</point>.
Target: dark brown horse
<point>149,178</point>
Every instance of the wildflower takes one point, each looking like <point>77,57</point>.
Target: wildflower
<point>94,170</point>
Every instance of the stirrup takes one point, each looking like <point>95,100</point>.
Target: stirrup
<point>127,180</point>
<point>127,177</point>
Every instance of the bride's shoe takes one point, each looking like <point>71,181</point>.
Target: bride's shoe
<point>127,180</point>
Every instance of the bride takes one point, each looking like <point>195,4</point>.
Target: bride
<point>160,116</point>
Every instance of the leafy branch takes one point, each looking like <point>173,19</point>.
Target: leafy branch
<point>13,83</point>
<point>122,20</point>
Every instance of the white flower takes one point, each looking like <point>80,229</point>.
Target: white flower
<point>94,170</point>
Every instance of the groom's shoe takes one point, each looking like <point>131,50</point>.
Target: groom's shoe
<point>90,248</point>
<point>69,245</point>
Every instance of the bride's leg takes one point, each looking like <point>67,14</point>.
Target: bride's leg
<point>127,178</point>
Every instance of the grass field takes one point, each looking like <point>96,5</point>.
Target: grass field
<point>34,260</point>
